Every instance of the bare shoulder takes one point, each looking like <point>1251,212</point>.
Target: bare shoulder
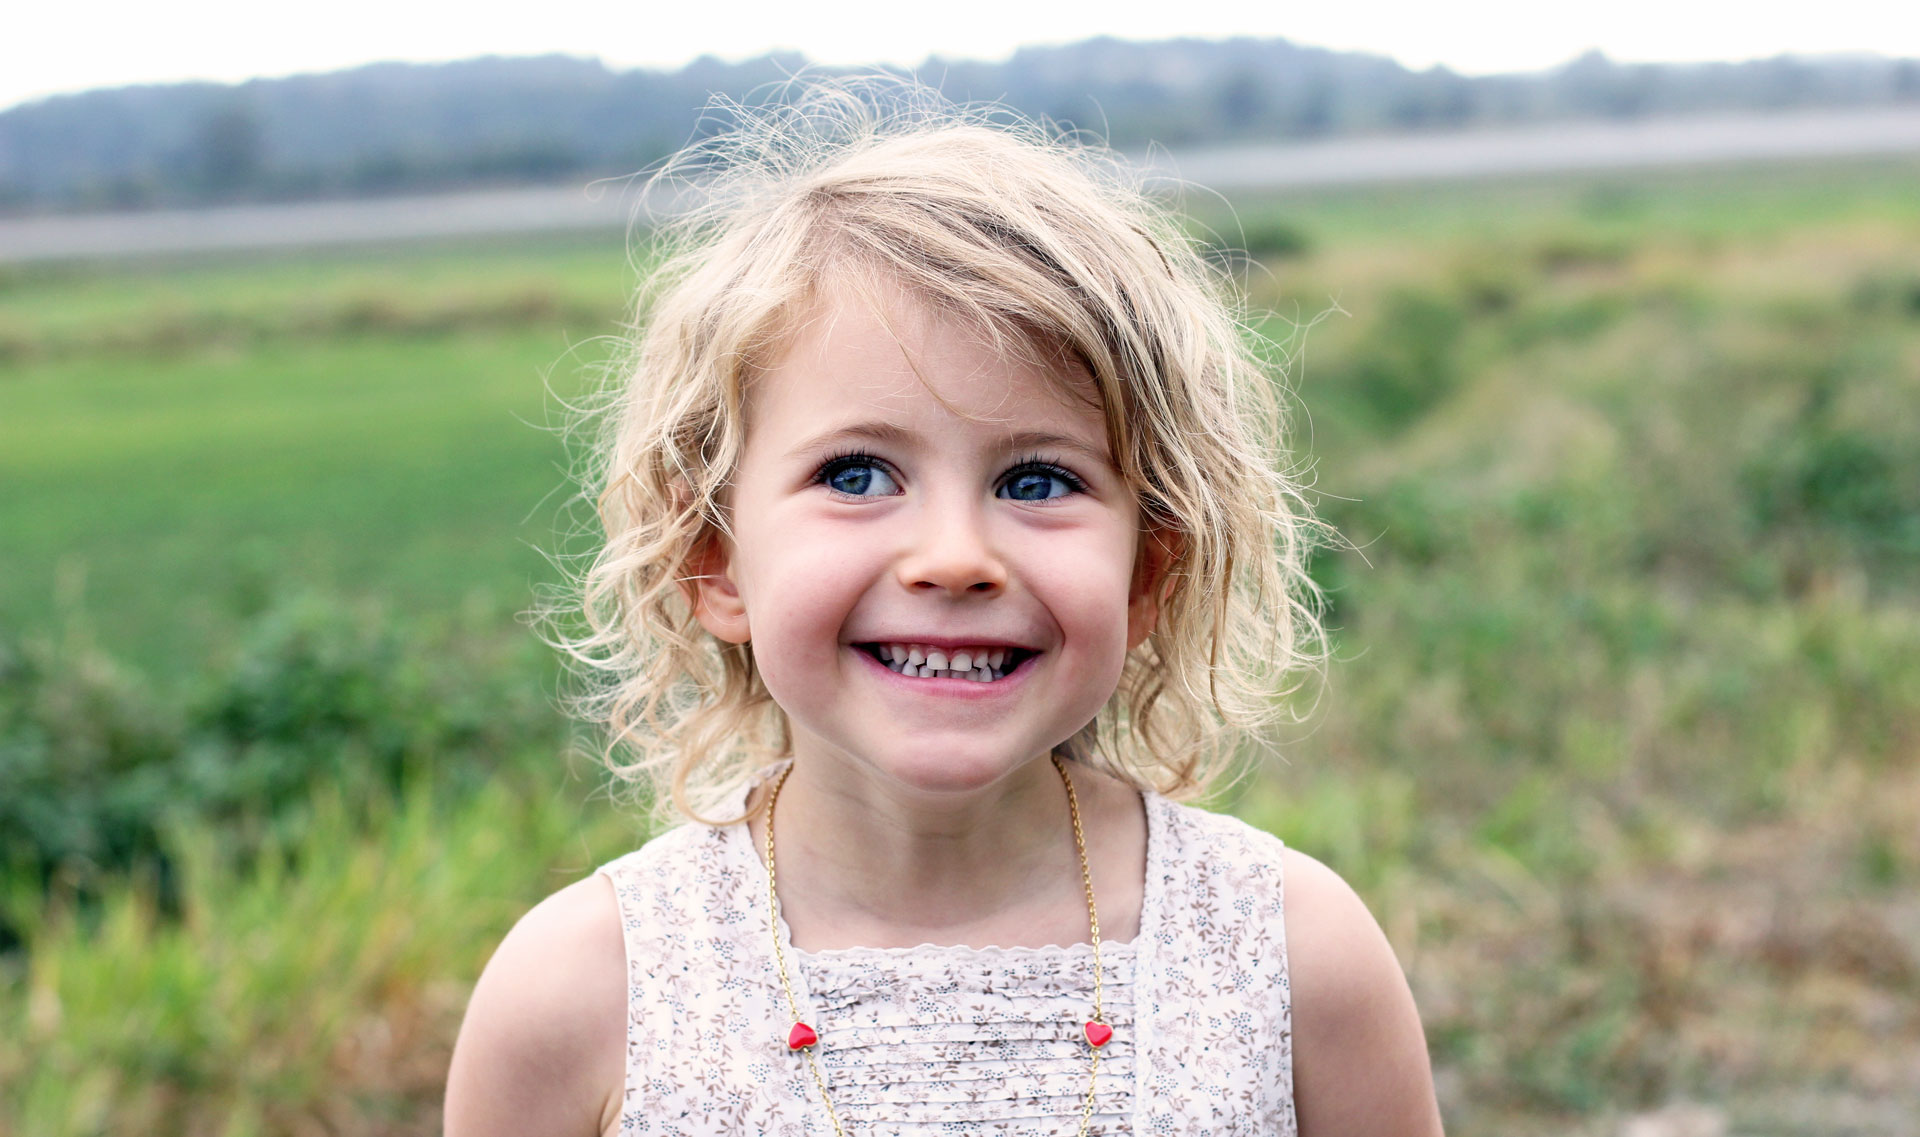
<point>1360,1059</point>
<point>543,1047</point>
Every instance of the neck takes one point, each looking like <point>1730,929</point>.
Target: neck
<point>866,861</point>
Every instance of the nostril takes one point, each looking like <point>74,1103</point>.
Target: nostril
<point>976,586</point>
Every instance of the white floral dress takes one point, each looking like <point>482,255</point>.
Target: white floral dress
<point>957,1040</point>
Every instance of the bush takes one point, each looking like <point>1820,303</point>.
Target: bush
<point>85,763</point>
<point>94,765</point>
<point>1407,361</point>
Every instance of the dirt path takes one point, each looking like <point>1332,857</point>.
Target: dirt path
<point>1566,147</point>
<point>1546,149</point>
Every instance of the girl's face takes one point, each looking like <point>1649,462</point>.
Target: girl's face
<point>909,497</point>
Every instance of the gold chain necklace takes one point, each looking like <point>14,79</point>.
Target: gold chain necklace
<point>803,1038</point>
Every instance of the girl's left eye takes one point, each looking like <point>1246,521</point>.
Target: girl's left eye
<point>858,476</point>
<point>1039,481</point>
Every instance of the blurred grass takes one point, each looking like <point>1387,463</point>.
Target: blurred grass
<point>312,986</point>
<point>177,445</point>
<point>1622,743</point>
<point>1704,205</point>
<point>190,304</point>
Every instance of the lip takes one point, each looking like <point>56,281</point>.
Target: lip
<point>946,643</point>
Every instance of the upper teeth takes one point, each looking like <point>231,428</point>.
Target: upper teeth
<point>980,664</point>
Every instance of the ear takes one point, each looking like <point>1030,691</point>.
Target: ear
<point>1160,548</point>
<point>711,590</point>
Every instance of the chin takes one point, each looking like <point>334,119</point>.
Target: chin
<point>955,770</point>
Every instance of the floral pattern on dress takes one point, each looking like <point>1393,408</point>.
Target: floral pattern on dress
<point>958,1040</point>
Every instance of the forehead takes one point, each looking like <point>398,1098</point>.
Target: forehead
<point>867,349</point>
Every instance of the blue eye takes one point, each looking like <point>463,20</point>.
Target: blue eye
<point>1039,481</point>
<point>858,476</point>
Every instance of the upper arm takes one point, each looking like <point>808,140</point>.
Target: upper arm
<point>1359,1057</point>
<point>543,1046</point>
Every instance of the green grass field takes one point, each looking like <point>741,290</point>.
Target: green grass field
<point>1622,741</point>
<point>178,443</point>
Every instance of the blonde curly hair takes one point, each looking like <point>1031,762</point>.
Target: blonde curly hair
<point>1044,241</point>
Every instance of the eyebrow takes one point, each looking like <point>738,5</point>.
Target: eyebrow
<point>886,432</point>
<point>1040,439</point>
<point>860,431</point>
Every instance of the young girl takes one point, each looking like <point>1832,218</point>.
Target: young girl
<point>946,551</point>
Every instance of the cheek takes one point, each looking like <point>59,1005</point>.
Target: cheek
<point>1088,594</point>
<point>1094,621</point>
<point>798,594</point>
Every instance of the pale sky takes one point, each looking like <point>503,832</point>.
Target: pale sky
<point>48,47</point>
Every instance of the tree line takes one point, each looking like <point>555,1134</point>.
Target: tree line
<point>395,127</point>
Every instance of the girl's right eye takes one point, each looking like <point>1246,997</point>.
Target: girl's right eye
<point>858,476</point>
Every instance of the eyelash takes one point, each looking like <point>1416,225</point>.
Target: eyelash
<point>1038,464</point>
<point>1032,462</point>
<point>839,462</point>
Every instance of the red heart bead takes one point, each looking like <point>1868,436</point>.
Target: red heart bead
<point>801,1037</point>
<point>1098,1034</point>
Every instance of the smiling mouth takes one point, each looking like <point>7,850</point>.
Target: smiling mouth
<point>923,661</point>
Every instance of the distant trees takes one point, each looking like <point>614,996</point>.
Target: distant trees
<point>227,153</point>
<point>395,127</point>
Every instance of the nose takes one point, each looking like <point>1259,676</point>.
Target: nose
<point>952,552</point>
